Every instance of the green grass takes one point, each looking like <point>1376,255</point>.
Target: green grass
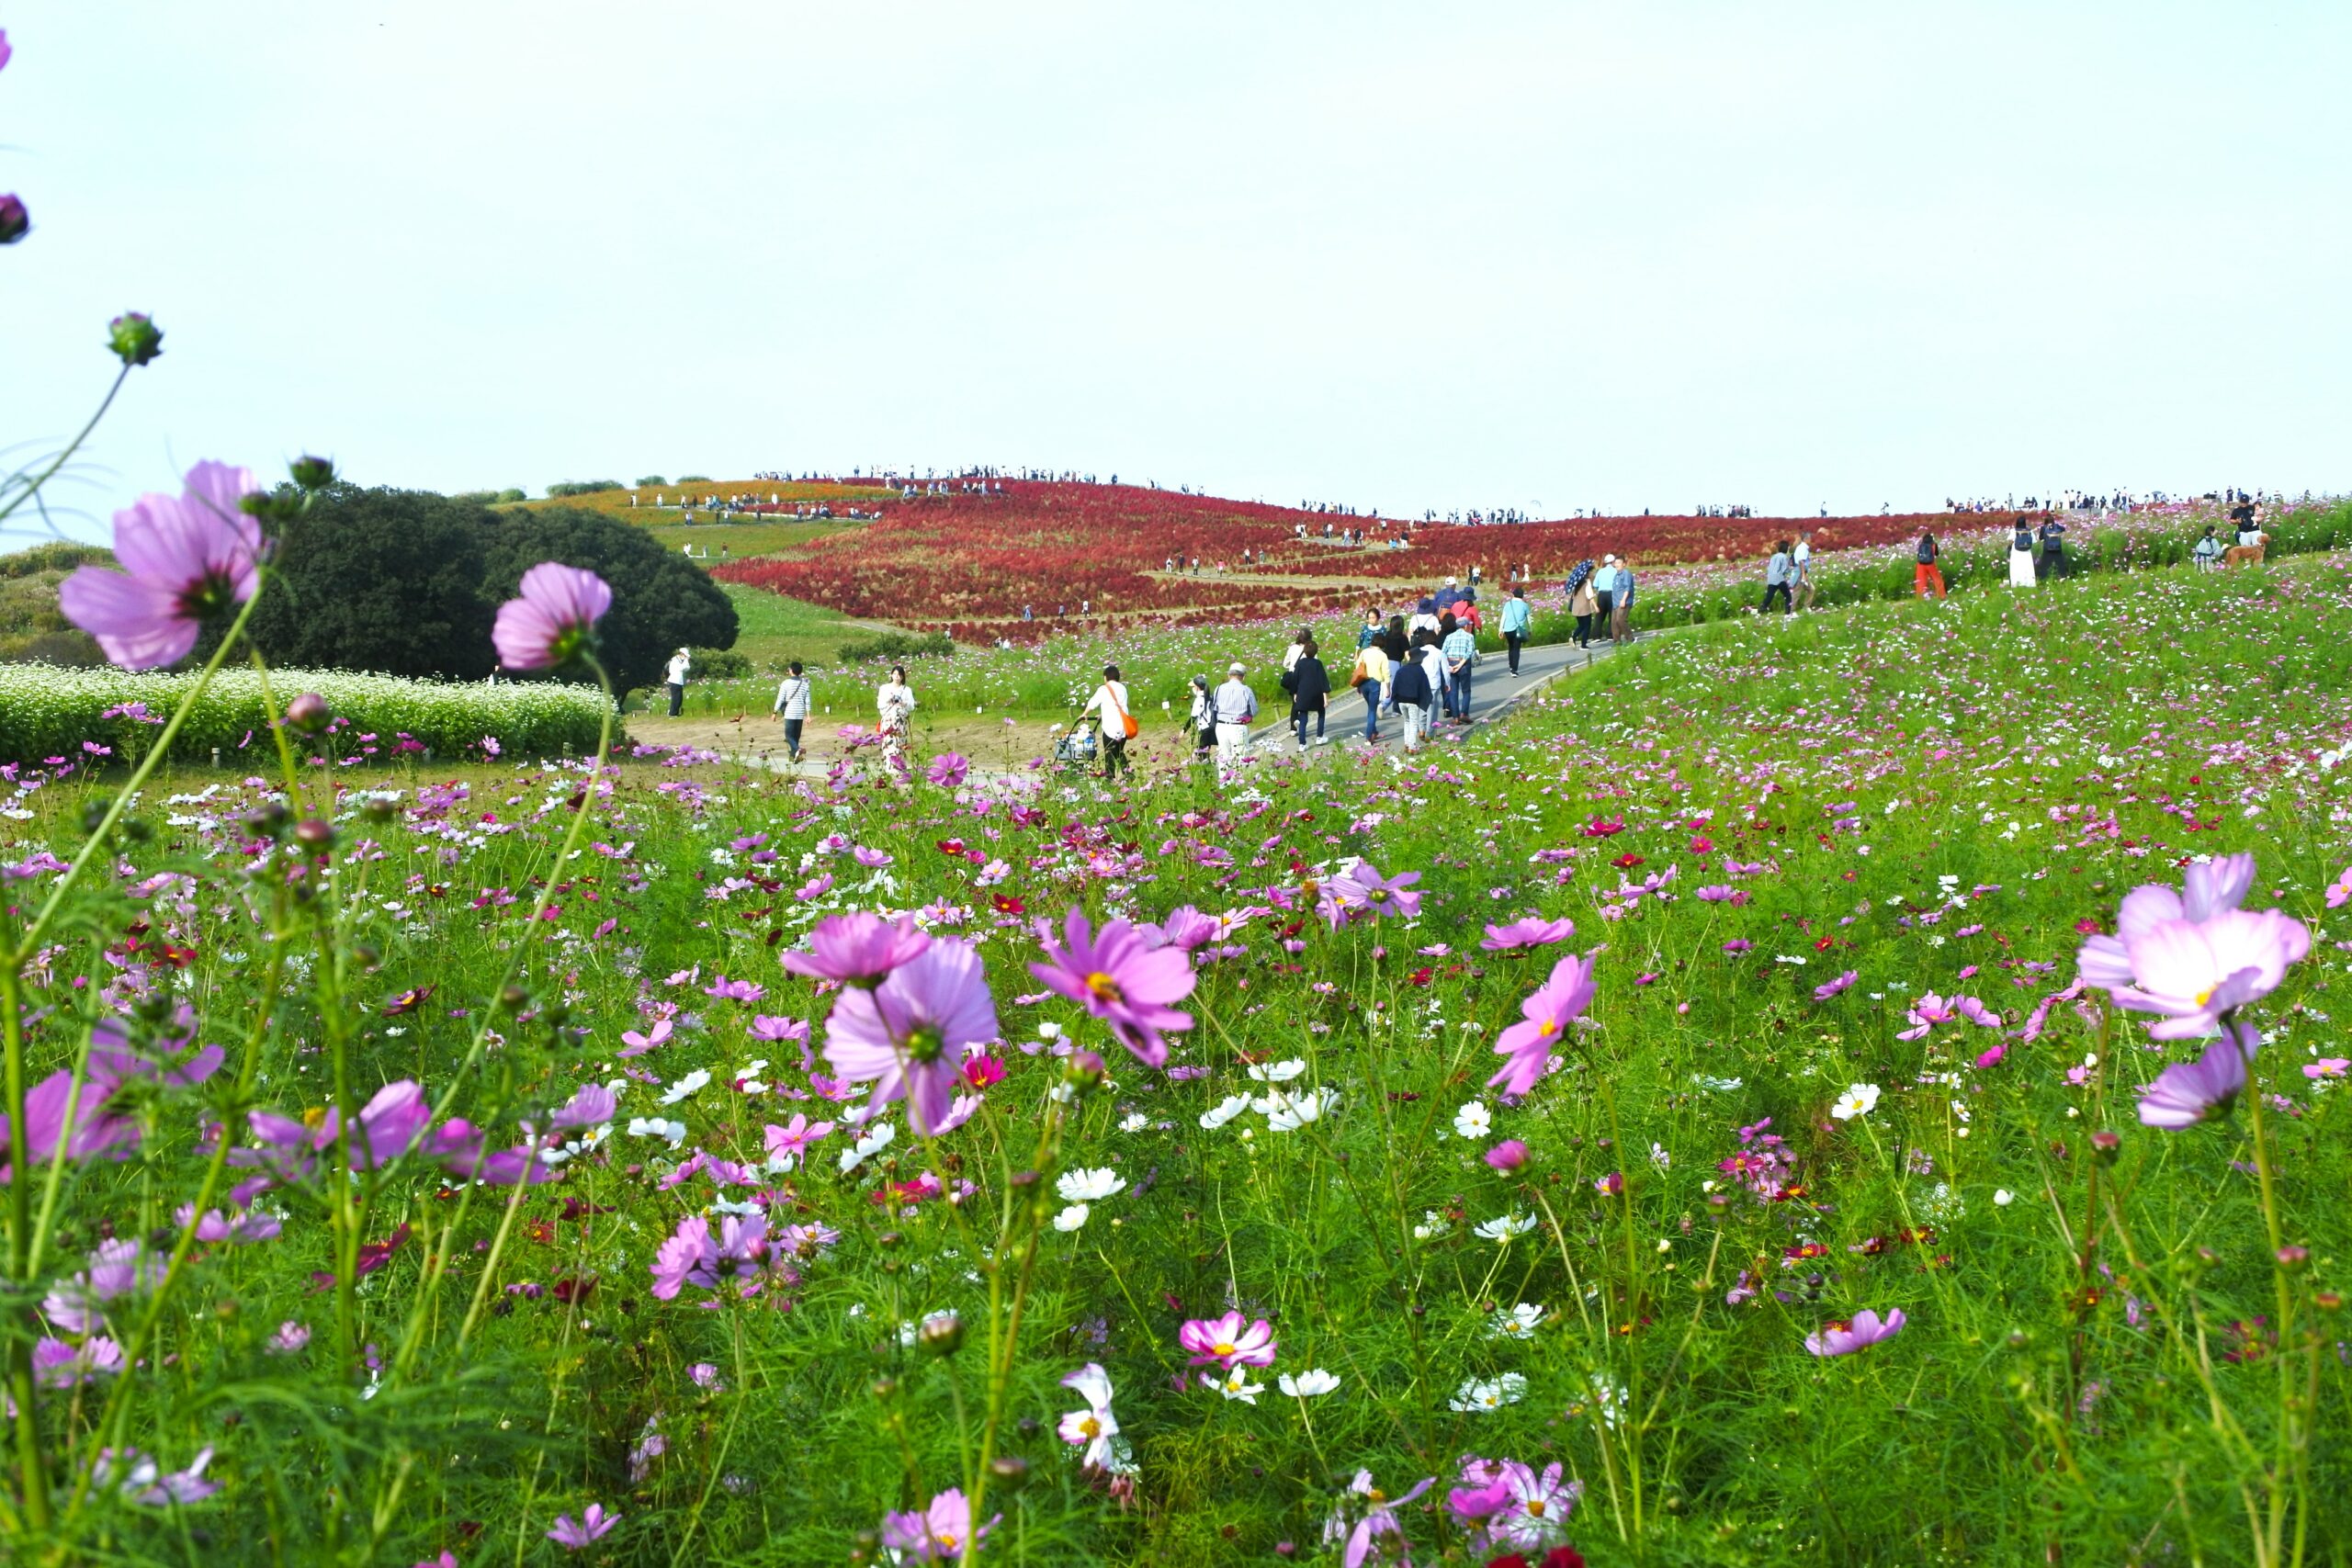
<point>2106,1366</point>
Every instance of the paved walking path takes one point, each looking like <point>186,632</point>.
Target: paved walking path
<point>1494,691</point>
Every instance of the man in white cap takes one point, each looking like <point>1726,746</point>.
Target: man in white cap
<point>680,662</point>
<point>1236,708</point>
<point>1449,595</point>
<point>1605,591</point>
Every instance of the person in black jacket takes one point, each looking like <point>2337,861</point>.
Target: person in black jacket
<point>1411,691</point>
<point>1309,692</point>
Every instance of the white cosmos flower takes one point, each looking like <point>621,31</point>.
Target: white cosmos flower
<point>1519,1322</point>
<point>1473,1120</point>
<point>1237,1385</point>
<point>655,1127</point>
<point>876,1137</point>
<point>1095,1429</point>
<point>684,1086</point>
<point>1084,1186</point>
<point>1133,1121</point>
<point>1285,1112</point>
<point>1858,1101</point>
<point>1232,1105</point>
<point>1490,1393</point>
<point>1278,1072</point>
<point>2003,1197</point>
<point>1307,1384</point>
<point>1071,1218</point>
<point>1503,1227</point>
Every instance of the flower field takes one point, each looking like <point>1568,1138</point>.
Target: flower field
<point>1736,1111</point>
<point>109,715</point>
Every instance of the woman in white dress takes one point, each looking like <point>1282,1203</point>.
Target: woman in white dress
<point>893,704</point>
<point>2021,556</point>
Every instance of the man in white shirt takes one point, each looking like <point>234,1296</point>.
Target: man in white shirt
<point>1237,709</point>
<point>792,706</point>
<point>1801,564</point>
<point>680,662</point>
<point>1110,700</point>
<point>1604,592</point>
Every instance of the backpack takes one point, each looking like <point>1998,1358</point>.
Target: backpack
<point>2025,539</point>
<point>1927,552</point>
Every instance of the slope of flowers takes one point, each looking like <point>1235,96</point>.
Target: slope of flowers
<point>1689,1125</point>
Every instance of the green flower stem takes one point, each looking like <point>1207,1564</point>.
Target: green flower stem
<point>32,486</point>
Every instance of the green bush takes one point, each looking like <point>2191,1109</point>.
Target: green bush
<point>694,479</point>
<point>390,580</point>
<point>57,555</point>
<point>652,479</point>
<point>510,495</point>
<point>564,487</point>
<point>897,645</point>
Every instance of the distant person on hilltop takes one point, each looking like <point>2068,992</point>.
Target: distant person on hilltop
<point>792,707</point>
<point>679,663</point>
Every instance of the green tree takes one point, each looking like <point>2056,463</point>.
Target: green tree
<point>661,602</point>
<point>387,581</point>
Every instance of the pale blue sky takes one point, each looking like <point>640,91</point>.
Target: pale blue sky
<point>1398,255</point>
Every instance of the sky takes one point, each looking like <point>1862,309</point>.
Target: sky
<point>1546,255</point>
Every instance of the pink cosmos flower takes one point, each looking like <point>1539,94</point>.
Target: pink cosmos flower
<point>789,1146</point>
<point>142,1480</point>
<point>909,1035</point>
<point>184,559</point>
<point>2327,1067</point>
<point>2339,892</point>
<point>592,1105</point>
<point>559,606</point>
<point>1867,1330</point>
<point>1185,929</point>
<point>1508,1156</point>
<point>1519,1505</point>
<point>1364,890</point>
<point>1842,983</point>
<point>1526,1046</point>
<point>580,1534</point>
<point>1092,1430</point>
<point>1525,934</point>
<point>857,948</point>
<point>1379,1520</point>
<point>1120,980</point>
<point>2193,956</point>
<point>948,770</point>
<point>941,1533</point>
<point>2189,1092</point>
<point>692,1256</point>
<point>1223,1342</point>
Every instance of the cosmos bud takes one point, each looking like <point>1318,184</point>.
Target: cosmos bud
<point>134,338</point>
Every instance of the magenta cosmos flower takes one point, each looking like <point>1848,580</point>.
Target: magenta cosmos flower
<point>1844,1338</point>
<point>909,1035</point>
<point>1363,890</point>
<point>558,607</point>
<point>2189,1092</point>
<point>183,560</point>
<point>2192,956</point>
<point>1527,934</point>
<point>578,1535</point>
<point>857,948</point>
<point>1526,1046</point>
<point>941,1533</point>
<point>1223,1342</point>
<point>1121,980</point>
<point>1379,1520</point>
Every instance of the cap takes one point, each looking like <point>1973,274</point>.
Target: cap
<point>1234,669</point>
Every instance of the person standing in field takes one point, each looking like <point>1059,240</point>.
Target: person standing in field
<point>792,707</point>
<point>1109,703</point>
<point>1237,709</point>
<point>1460,650</point>
<point>1583,603</point>
<point>1516,618</point>
<point>2021,555</point>
<point>1604,592</point>
<point>1371,677</point>
<point>679,663</point>
<point>894,708</point>
<point>1291,655</point>
<point>1928,576</point>
<point>1801,569</point>
<point>2054,547</point>
<point>2207,552</point>
<point>1776,578</point>
<point>1621,628</point>
<point>1203,717</point>
<point>1309,693</point>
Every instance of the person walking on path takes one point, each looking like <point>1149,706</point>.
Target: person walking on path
<point>1516,617</point>
<point>1114,722</point>
<point>894,706</point>
<point>2021,556</point>
<point>1604,592</point>
<point>1298,641</point>
<point>679,663</point>
<point>1309,693</point>
<point>1203,717</point>
<point>1582,602</point>
<point>1776,578</point>
<point>792,707</point>
<point>1928,576</point>
<point>1371,677</point>
<point>1461,649</point>
<point>1800,565</point>
<point>1622,629</point>
<point>1410,685</point>
<point>1237,709</point>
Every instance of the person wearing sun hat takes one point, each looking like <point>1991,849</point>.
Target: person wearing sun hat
<point>1236,710</point>
<point>680,662</point>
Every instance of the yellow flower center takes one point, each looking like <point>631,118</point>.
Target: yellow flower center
<point>946,1542</point>
<point>1547,1029</point>
<point>1535,1506</point>
<point>1225,1348</point>
<point>1090,1427</point>
<point>1105,989</point>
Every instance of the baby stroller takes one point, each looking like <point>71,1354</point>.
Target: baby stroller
<point>1079,747</point>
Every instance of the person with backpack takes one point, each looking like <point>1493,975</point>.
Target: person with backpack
<point>1310,686</point>
<point>1371,679</point>
<point>1927,575</point>
<point>2054,548</point>
<point>1516,618</point>
<point>2207,552</point>
<point>792,707</point>
<point>1114,721</point>
<point>1776,578</point>
<point>2021,555</point>
<point>1410,687</point>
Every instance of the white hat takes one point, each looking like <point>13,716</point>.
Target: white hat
<point>1235,668</point>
